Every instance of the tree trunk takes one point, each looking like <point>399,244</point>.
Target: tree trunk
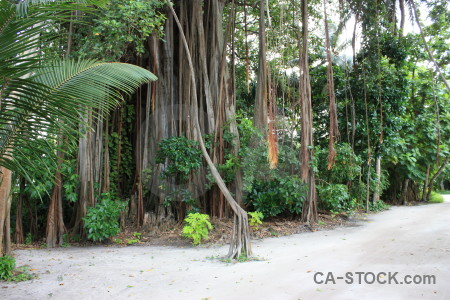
<point>334,129</point>
<point>260,117</point>
<point>230,111</point>
<point>240,242</point>
<point>404,197</point>
<point>436,175</point>
<point>5,206</point>
<point>402,17</point>
<point>376,194</point>
<point>309,209</point>
<point>438,69</point>
<point>425,184</point>
<point>18,234</point>
<point>55,223</point>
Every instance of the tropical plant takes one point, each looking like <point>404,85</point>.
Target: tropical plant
<point>378,206</point>
<point>102,221</point>
<point>183,156</point>
<point>47,99</point>
<point>335,198</point>
<point>197,227</point>
<point>40,98</point>
<point>7,265</point>
<point>277,196</point>
<point>255,219</point>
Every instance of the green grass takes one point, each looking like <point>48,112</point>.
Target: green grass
<point>436,198</point>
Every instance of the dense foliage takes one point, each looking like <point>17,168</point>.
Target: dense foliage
<point>73,128</point>
<point>102,221</point>
<point>197,227</point>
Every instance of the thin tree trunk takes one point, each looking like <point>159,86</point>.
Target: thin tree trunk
<point>334,129</point>
<point>260,117</point>
<point>438,69</point>
<point>369,150</point>
<point>404,198</point>
<point>55,223</point>
<point>438,125</point>
<point>425,184</point>
<point>231,113</point>
<point>5,205</point>
<point>436,175</point>
<point>353,110</point>
<point>402,17</point>
<point>240,242</point>
<point>376,194</point>
<point>106,167</point>
<point>309,209</point>
<point>18,234</point>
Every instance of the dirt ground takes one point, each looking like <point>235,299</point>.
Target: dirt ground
<point>403,241</point>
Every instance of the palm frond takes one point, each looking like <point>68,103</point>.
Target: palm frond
<point>39,102</point>
<point>23,7</point>
<point>53,100</point>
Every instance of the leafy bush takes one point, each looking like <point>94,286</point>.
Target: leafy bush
<point>136,238</point>
<point>346,168</point>
<point>71,180</point>
<point>28,239</point>
<point>102,221</point>
<point>384,181</point>
<point>378,206</point>
<point>183,156</point>
<point>7,265</point>
<point>256,169</point>
<point>197,227</point>
<point>280,195</point>
<point>121,25</point>
<point>358,191</point>
<point>335,198</point>
<point>436,198</point>
<point>255,219</point>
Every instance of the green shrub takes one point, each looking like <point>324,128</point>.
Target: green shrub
<point>335,198</point>
<point>436,198</point>
<point>378,206</point>
<point>346,168</point>
<point>137,238</point>
<point>7,265</point>
<point>28,239</point>
<point>280,195</point>
<point>197,227</point>
<point>358,191</point>
<point>183,156</point>
<point>255,219</point>
<point>102,221</point>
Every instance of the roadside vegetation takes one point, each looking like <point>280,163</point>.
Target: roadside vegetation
<point>123,118</point>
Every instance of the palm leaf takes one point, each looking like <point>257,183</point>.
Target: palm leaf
<point>40,102</point>
<point>52,101</point>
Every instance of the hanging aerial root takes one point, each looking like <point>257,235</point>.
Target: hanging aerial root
<point>240,240</point>
<point>273,148</point>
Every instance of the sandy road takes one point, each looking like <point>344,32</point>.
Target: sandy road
<point>407,240</point>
